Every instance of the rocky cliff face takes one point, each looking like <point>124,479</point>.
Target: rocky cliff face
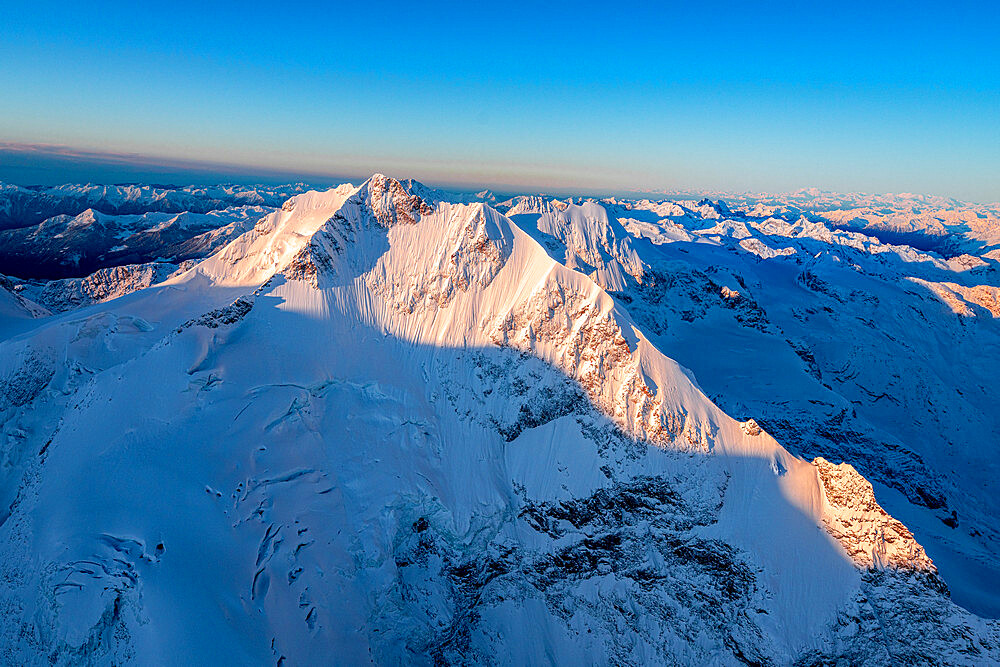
<point>871,537</point>
<point>72,293</point>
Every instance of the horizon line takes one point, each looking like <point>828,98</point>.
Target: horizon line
<point>80,157</point>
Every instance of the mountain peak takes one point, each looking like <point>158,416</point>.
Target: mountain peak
<point>392,202</point>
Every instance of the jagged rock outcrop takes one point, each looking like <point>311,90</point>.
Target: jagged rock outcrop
<point>111,283</point>
<point>871,537</point>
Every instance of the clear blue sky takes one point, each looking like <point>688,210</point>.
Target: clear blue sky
<point>728,95</point>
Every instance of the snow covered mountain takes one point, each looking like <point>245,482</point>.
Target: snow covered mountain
<point>837,343</point>
<point>75,246</point>
<point>379,426</point>
<point>71,231</point>
<point>28,206</point>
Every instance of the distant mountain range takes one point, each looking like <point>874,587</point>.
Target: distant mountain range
<point>26,206</point>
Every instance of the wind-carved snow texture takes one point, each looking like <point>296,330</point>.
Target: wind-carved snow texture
<point>390,428</point>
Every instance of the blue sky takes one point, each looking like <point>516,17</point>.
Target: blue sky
<point>725,95</point>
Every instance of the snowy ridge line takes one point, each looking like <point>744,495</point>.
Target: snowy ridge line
<point>832,367</point>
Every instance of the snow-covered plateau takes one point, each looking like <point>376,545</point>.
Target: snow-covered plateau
<point>384,424</point>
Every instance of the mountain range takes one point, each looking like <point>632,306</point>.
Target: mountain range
<point>385,423</point>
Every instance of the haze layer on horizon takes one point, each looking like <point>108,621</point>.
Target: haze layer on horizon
<point>583,96</point>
